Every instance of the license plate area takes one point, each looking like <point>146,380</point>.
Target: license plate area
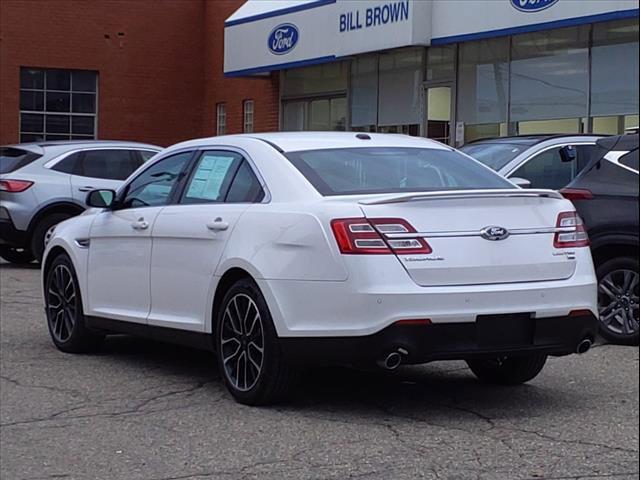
<point>515,329</point>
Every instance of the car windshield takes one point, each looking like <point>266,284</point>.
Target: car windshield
<point>12,158</point>
<point>494,155</point>
<point>353,171</point>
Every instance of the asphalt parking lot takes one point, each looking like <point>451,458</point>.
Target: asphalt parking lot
<point>142,410</point>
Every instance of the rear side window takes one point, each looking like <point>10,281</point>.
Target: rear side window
<point>108,164</point>
<point>11,159</point>
<point>69,164</point>
<point>245,187</point>
<point>630,160</point>
<point>211,179</point>
<point>352,171</point>
<point>146,154</point>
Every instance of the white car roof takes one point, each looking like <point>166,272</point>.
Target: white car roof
<point>294,141</point>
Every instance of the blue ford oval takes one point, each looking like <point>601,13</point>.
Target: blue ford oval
<point>532,5</point>
<point>283,38</point>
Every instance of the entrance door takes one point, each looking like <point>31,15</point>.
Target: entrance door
<point>439,113</point>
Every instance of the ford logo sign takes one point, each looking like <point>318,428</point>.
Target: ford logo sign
<point>494,233</point>
<point>532,5</point>
<point>283,39</point>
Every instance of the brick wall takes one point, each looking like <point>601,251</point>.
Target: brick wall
<point>159,63</point>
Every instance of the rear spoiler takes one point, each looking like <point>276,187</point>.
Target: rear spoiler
<point>461,194</point>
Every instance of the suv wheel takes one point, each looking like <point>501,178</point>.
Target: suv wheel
<point>63,306</point>
<point>19,256</point>
<point>249,355</point>
<point>40,232</point>
<point>618,289</point>
<point>508,370</point>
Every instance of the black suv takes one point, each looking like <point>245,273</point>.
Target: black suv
<point>605,194</point>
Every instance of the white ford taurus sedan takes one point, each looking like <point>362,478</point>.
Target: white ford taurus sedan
<point>284,250</point>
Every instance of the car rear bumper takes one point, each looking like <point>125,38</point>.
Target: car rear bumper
<point>10,235</point>
<point>448,341</point>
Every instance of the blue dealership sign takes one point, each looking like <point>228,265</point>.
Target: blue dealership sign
<point>532,5</point>
<point>283,38</point>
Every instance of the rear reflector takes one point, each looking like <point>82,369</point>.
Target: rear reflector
<point>414,321</point>
<point>580,313</point>
<point>576,193</point>
<point>362,236</point>
<point>576,238</point>
<point>14,186</point>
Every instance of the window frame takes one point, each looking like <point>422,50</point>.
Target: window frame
<point>248,116</point>
<point>221,118</point>
<point>70,114</point>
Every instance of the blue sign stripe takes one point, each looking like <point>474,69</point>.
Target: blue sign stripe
<point>277,13</point>
<point>536,27</point>
<point>280,66</point>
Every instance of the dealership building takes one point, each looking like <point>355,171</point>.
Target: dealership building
<point>453,70</point>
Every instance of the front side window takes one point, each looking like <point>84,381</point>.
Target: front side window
<point>57,104</point>
<point>108,164</point>
<point>351,171</point>
<point>221,119</point>
<point>154,186</point>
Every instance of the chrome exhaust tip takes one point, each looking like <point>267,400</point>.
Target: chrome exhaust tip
<point>391,361</point>
<point>584,346</point>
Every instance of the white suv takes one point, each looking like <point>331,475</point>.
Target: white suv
<point>283,250</point>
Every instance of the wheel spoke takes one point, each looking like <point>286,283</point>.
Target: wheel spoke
<point>606,286</point>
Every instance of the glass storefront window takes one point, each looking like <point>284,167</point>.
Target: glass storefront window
<point>400,84</point>
<point>483,87</point>
<point>549,74</point>
<point>315,115</point>
<point>614,68</point>
<point>319,79</point>
<point>441,63</point>
<point>364,91</point>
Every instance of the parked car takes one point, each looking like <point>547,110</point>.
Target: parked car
<point>278,251</point>
<point>599,175</point>
<point>605,194</point>
<point>44,183</point>
<point>544,161</point>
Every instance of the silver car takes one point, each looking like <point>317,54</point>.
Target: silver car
<point>537,161</point>
<point>44,183</point>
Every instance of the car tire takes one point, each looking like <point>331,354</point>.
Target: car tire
<point>618,289</point>
<point>19,256</point>
<point>63,307</point>
<point>40,232</point>
<point>508,370</point>
<point>249,354</point>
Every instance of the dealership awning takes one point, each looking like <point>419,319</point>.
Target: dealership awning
<point>267,35</point>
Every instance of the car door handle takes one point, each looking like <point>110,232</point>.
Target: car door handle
<point>217,225</point>
<point>86,189</point>
<point>140,224</point>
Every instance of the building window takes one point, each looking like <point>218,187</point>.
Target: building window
<point>221,119</point>
<point>57,104</point>
<point>248,116</point>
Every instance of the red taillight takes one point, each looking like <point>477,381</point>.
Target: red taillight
<point>576,236</point>
<point>14,186</point>
<point>358,236</point>
<point>576,193</point>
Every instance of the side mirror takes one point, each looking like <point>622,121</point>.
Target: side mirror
<point>101,198</point>
<point>568,153</point>
<point>521,182</point>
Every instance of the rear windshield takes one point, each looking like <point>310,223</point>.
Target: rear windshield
<point>494,155</point>
<point>352,171</point>
<point>12,159</point>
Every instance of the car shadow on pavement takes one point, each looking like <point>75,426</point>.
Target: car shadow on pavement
<point>14,266</point>
<point>444,393</point>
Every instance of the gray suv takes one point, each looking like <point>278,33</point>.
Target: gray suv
<point>44,183</point>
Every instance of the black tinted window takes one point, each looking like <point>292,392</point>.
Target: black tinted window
<point>68,164</point>
<point>494,155</point>
<point>154,185</point>
<point>108,164</point>
<point>349,171</point>
<point>146,154</point>
<point>630,160</point>
<point>547,170</point>
<point>12,159</point>
<point>245,187</point>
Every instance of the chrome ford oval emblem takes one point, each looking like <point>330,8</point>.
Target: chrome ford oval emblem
<point>283,38</point>
<point>494,233</point>
<point>532,5</point>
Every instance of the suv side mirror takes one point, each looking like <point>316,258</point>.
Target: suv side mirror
<point>101,198</point>
<point>521,182</point>
<point>568,153</point>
